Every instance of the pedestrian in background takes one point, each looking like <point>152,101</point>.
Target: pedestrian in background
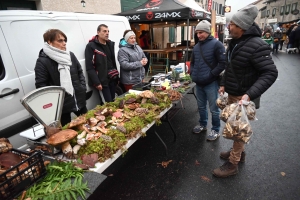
<point>292,38</point>
<point>207,62</point>
<point>283,32</point>
<point>58,67</point>
<point>250,71</point>
<point>297,37</point>
<point>268,39</point>
<point>101,65</point>
<point>277,38</point>
<point>132,60</point>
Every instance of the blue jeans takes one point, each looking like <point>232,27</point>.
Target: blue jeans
<point>208,93</point>
<point>275,47</point>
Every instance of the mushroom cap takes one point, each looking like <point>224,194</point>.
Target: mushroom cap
<point>77,121</point>
<point>147,94</point>
<point>61,137</point>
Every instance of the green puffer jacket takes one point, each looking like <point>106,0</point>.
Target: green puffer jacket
<point>269,40</point>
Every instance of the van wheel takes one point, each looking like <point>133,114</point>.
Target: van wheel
<point>119,91</point>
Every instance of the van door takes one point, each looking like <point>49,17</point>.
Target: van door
<point>11,90</point>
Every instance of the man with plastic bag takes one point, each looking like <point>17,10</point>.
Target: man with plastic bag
<point>249,72</point>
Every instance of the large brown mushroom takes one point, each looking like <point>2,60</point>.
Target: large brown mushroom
<point>147,94</point>
<point>62,138</point>
<point>5,145</point>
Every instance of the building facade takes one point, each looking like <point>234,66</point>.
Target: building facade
<point>277,12</point>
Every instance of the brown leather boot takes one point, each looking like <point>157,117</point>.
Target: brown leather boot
<point>225,155</point>
<point>227,169</point>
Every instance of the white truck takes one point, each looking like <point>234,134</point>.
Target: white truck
<point>21,38</point>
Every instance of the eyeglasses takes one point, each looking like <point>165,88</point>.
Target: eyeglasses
<point>232,24</point>
<point>61,40</point>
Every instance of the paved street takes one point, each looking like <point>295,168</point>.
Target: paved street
<point>271,170</point>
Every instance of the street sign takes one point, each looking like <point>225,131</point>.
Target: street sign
<point>227,9</point>
<point>272,20</point>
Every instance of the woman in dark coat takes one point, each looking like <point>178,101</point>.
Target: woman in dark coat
<point>58,67</point>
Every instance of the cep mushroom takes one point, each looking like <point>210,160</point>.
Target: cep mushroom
<point>147,94</point>
<point>62,138</point>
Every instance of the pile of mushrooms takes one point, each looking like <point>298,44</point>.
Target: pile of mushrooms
<point>222,101</point>
<point>237,125</point>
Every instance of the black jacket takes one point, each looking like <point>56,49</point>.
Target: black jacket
<point>98,72</point>
<point>254,68</point>
<point>47,74</point>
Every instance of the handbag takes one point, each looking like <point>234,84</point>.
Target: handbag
<point>219,79</point>
<point>113,74</point>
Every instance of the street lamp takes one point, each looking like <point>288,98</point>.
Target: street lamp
<point>83,3</point>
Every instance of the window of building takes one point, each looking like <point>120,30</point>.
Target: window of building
<point>221,9</point>
<point>274,12</point>
<point>268,13</point>
<point>287,9</point>
<point>294,6</point>
<point>2,70</point>
<point>263,13</point>
<point>281,10</point>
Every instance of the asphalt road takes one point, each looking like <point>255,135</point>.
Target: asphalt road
<point>271,170</point>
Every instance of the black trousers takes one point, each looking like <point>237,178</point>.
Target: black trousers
<point>281,44</point>
<point>66,117</point>
<point>108,92</point>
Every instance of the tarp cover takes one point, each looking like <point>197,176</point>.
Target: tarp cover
<point>163,10</point>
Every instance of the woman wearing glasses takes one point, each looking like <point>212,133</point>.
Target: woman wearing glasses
<point>56,66</point>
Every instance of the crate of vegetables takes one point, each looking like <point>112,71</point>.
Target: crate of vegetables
<point>19,170</point>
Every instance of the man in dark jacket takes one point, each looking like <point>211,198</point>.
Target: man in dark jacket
<point>58,67</point>
<point>208,61</point>
<point>277,38</point>
<point>297,37</point>
<point>250,71</point>
<point>99,61</point>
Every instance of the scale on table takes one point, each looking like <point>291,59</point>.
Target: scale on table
<point>45,105</point>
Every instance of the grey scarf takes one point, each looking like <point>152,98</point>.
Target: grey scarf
<point>63,59</point>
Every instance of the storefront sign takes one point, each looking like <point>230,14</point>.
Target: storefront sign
<point>196,13</point>
<point>167,15</point>
<point>133,17</point>
<point>227,9</point>
<point>272,20</point>
<point>209,5</point>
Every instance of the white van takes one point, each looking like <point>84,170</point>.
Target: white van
<point>21,38</point>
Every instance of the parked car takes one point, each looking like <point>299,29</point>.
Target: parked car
<point>21,38</point>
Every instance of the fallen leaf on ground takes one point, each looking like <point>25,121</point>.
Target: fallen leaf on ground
<point>205,178</point>
<point>165,163</point>
<point>197,163</point>
<point>283,173</point>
